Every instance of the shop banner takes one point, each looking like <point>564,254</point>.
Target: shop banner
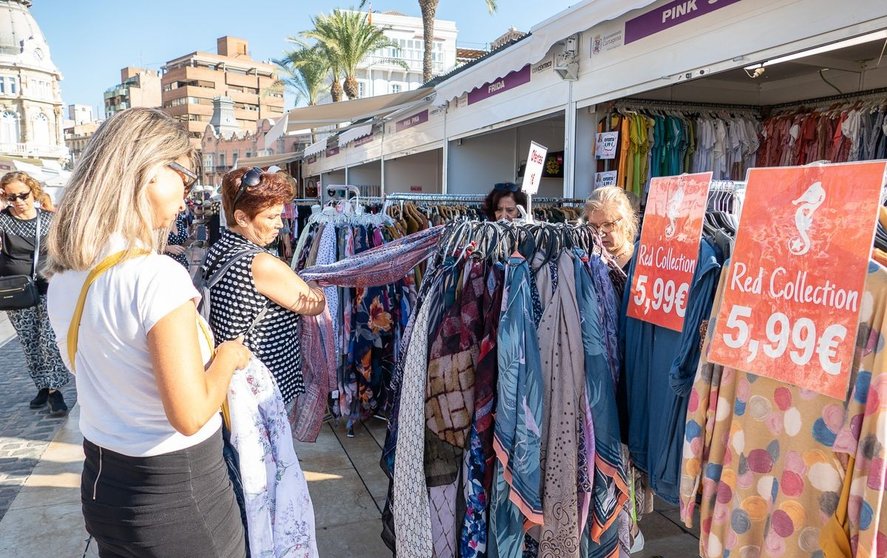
<point>669,249</point>
<point>669,15</point>
<point>363,140</point>
<point>534,168</point>
<point>411,121</point>
<point>332,151</point>
<point>501,85</point>
<point>796,282</point>
<point>606,178</point>
<point>606,144</point>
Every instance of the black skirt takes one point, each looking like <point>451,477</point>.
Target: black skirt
<point>179,504</point>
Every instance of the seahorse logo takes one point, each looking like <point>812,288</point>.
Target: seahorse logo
<point>809,202</point>
<point>673,211</point>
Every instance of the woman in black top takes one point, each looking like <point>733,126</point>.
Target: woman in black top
<point>18,234</point>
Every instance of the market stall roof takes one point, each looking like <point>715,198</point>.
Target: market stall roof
<point>355,132</point>
<point>268,160</point>
<point>535,46</point>
<point>355,109</point>
<point>315,148</point>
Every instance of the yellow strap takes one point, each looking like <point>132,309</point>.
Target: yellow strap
<point>104,265</point>
<point>226,413</point>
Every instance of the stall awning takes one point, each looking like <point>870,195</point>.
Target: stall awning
<point>355,133</point>
<point>534,48</point>
<point>315,148</point>
<point>349,111</point>
<point>269,160</point>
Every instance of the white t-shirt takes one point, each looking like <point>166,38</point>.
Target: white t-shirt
<point>120,405</point>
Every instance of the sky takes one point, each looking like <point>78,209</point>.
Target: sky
<point>91,40</point>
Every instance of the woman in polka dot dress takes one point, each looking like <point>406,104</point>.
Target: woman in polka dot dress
<point>253,203</point>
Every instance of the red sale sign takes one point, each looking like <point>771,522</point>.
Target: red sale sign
<point>669,249</point>
<point>796,282</point>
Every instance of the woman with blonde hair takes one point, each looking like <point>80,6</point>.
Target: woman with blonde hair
<point>21,223</point>
<point>611,213</point>
<point>148,383</point>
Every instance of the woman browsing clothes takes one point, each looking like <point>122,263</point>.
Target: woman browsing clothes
<point>19,229</point>
<point>149,386</point>
<point>609,212</point>
<point>259,297</point>
<point>502,201</point>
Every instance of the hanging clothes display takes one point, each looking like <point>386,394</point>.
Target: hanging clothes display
<point>279,513</point>
<point>477,455</point>
<point>784,471</point>
<point>668,140</point>
<point>366,321</point>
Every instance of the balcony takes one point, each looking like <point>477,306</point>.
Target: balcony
<point>35,150</point>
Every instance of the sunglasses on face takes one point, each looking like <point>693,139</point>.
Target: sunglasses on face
<point>507,187</point>
<point>187,175</point>
<point>13,197</point>
<point>253,177</point>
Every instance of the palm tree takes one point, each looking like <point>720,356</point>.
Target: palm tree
<point>346,38</point>
<point>305,71</point>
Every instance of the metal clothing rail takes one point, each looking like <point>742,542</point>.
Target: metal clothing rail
<point>685,106</point>
<point>471,198</point>
<point>857,96</point>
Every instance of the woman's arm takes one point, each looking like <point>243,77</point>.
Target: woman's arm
<point>278,282</point>
<point>191,394</point>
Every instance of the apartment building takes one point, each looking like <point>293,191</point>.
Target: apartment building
<point>138,87</point>
<point>191,82</point>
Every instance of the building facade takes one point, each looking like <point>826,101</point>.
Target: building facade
<point>377,75</point>
<point>191,82</point>
<point>31,108</point>
<point>80,114</point>
<point>138,87</point>
<point>77,136</point>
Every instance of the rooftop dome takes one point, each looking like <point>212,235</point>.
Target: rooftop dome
<point>21,41</point>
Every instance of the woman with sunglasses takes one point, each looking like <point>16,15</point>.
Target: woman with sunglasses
<point>501,203</point>
<point>260,297</point>
<point>149,384</point>
<point>18,235</point>
<point>610,212</point>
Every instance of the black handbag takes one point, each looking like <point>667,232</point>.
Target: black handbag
<point>18,292</point>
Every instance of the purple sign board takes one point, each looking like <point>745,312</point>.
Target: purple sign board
<point>510,81</point>
<point>332,151</point>
<point>411,121</point>
<point>670,15</point>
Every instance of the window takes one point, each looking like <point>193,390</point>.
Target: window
<point>208,161</point>
<point>2,85</point>
<point>235,154</point>
<point>395,88</point>
<point>9,127</point>
<point>222,161</point>
<point>40,125</point>
<point>13,85</point>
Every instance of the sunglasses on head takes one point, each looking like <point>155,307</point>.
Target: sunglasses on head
<point>506,187</point>
<point>252,178</point>
<point>189,179</point>
<point>13,197</point>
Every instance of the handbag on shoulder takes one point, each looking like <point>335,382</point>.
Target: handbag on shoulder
<point>18,292</point>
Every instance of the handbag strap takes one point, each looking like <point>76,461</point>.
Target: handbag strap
<point>102,267</point>
<point>36,248</point>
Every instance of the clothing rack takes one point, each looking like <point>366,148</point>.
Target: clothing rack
<point>436,198</point>
<point>306,201</point>
<point>684,106</point>
<point>857,96</point>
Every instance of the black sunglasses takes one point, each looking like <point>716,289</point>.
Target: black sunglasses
<point>507,187</point>
<point>12,197</point>
<point>253,177</point>
<point>189,179</point>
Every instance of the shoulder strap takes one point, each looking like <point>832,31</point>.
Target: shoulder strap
<point>219,273</point>
<point>36,248</point>
<point>102,267</point>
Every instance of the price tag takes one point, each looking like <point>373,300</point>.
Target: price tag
<point>796,282</point>
<point>669,249</point>
<point>534,167</point>
<point>606,178</point>
<point>605,145</point>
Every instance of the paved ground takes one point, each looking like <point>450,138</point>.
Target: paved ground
<point>24,433</point>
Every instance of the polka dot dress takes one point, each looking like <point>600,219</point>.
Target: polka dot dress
<point>235,303</point>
